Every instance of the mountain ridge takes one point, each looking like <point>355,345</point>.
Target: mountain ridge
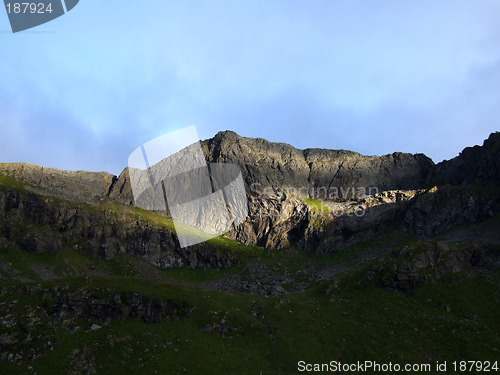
<point>279,164</point>
<point>89,283</point>
<point>283,215</point>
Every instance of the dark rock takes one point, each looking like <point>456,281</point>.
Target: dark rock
<point>72,185</point>
<point>272,222</point>
<point>442,208</point>
<point>121,189</point>
<point>281,166</point>
<point>479,165</point>
<point>31,245</point>
<point>117,307</point>
<point>98,232</point>
<point>412,266</point>
<point>277,218</point>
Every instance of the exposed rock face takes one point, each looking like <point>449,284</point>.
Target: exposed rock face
<point>71,185</point>
<point>37,224</point>
<point>359,221</point>
<point>479,165</point>
<point>278,216</point>
<point>278,219</point>
<point>413,265</point>
<point>281,166</point>
<point>273,222</point>
<point>121,190</point>
<point>442,208</point>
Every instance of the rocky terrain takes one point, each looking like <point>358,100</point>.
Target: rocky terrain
<point>414,265</point>
<point>281,179</point>
<point>280,165</point>
<point>478,165</point>
<point>38,224</point>
<point>97,285</point>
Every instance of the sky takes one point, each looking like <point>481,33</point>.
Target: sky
<point>372,76</point>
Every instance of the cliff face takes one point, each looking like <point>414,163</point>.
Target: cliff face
<point>280,166</point>
<point>478,165</point>
<point>38,223</point>
<point>279,216</point>
<point>324,174</point>
<point>79,186</point>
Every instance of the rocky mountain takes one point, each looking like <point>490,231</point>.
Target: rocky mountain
<point>92,284</point>
<point>78,186</point>
<point>327,174</point>
<point>393,190</point>
<point>283,166</point>
<point>478,165</point>
<point>36,223</point>
<point>317,200</point>
<point>324,174</point>
<point>338,174</point>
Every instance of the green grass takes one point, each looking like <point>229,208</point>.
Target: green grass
<point>356,321</point>
<point>11,182</point>
<point>107,212</point>
<point>316,204</point>
<point>345,319</point>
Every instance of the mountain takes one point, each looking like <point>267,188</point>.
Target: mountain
<point>391,252</point>
<point>479,165</point>
<point>304,197</point>
<point>281,165</point>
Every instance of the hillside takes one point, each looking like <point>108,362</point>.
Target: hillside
<point>90,284</point>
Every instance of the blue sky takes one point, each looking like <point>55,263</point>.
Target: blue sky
<point>376,76</point>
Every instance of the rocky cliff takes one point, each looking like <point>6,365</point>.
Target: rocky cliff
<point>326,171</point>
<point>38,223</point>
<point>319,173</point>
<point>305,198</point>
<point>91,284</point>
<point>386,192</point>
<point>78,186</point>
<point>478,165</point>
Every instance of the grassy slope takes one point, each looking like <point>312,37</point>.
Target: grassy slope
<point>354,321</point>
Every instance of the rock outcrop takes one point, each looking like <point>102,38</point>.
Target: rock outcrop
<point>478,165</point>
<point>121,189</point>
<point>78,186</point>
<point>274,221</point>
<point>286,173</point>
<point>441,208</point>
<point>69,307</point>
<point>282,166</point>
<point>412,266</point>
<point>324,174</point>
<point>38,224</point>
<point>279,180</point>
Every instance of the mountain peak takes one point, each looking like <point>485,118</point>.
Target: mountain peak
<point>227,134</point>
<point>478,165</point>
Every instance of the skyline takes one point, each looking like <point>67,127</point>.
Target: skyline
<point>83,91</point>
